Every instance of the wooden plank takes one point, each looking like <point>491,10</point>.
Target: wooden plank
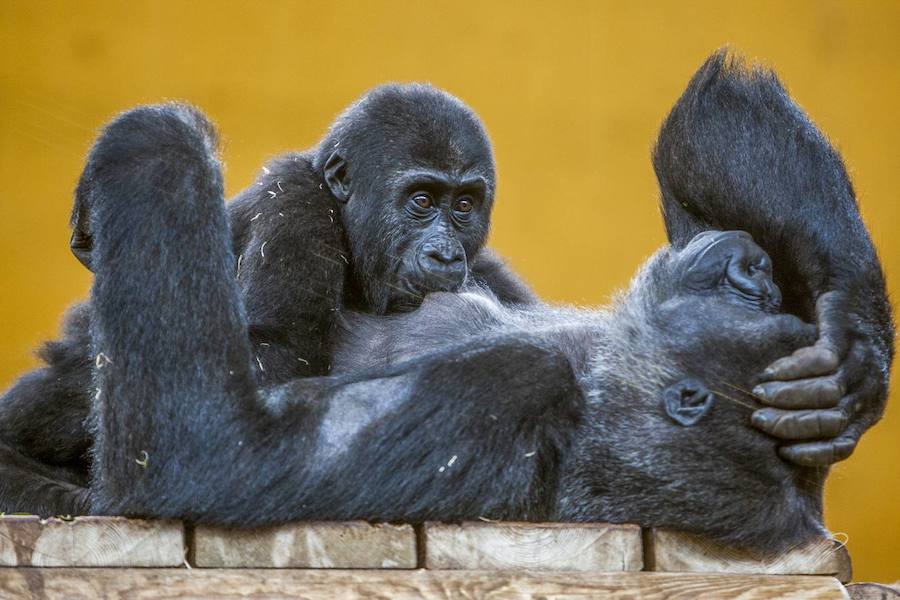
<point>535,546</point>
<point>675,551</point>
<point>873,591</point>
<point>90,542</point>
<point>345,545</point>
<point>328,584</point>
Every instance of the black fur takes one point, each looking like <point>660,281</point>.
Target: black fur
<point>43,413</point>
<point>466,407</point>
<point>737,153</point>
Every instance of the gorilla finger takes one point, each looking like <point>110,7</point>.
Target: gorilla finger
<point>832,321</point>
<point>818,454</point>
<point>821,392</point>
<point>800,424</point>
<point>811,361</point>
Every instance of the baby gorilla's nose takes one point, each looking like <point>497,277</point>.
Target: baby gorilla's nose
<point>687,401</point>
<point>443,265</point>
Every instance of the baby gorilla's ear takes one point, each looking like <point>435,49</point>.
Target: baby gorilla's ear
<point>687,401</point>
<point>335,173</point>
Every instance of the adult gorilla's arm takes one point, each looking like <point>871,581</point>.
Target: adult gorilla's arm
<point>737,153</point>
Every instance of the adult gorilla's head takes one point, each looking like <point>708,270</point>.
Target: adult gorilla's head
<point>414,171</point>
<point>673,410</point>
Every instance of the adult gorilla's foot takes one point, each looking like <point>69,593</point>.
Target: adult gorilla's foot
<point>133,139</point>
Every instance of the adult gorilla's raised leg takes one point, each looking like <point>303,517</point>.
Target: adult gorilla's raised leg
<point>172,356</point>
<point>737,153</point>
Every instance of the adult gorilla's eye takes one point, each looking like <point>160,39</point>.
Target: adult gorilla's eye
<point>423,201</point>
<point>464,205</point>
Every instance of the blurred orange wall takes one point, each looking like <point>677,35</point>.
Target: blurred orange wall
<point>572,93</point>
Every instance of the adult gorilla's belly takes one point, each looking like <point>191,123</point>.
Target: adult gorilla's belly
<point>442,322</point>
<point>450,322</point>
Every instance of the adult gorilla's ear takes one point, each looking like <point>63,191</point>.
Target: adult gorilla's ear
<point>335,172</point>
<point>687,401</point>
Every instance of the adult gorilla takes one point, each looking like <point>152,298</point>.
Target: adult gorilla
<point>472,408</point>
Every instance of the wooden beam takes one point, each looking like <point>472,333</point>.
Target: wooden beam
<point>675,551</point>
<point>90,542</point>
<point>321,584</point>
<point>535,546</point>
<point>345,545</point>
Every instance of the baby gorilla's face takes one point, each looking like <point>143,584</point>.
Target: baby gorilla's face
<point>729,264</point>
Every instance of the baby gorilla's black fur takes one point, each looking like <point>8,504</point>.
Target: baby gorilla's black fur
<point>463,408</point>
<point>309,241</point>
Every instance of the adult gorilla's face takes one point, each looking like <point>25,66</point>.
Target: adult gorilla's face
<point>680,412</point>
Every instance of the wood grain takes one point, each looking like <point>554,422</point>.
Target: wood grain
<point>345,545</point>
<point>90,542</point>
<point>320,584</point>
<point>675,551</point>
<point>536,546</point>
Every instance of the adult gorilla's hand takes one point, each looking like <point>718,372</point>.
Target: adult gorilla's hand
<point>823,397</point>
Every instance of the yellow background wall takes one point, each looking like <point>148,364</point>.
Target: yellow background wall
<point>571,93</point>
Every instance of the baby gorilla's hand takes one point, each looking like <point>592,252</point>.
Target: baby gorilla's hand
<point>824,396</point>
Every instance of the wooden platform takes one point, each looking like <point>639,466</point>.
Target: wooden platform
<point>48,559</point>
<point>119,584</point>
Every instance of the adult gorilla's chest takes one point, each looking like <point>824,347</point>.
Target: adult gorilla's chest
<point>442,322</point>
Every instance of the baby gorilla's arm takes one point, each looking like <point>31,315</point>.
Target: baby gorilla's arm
<point>291,265</point>
<point>489,270</point>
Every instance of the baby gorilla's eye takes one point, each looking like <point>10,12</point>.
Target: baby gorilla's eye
<point>423,201</point>
<point>464,205</point>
